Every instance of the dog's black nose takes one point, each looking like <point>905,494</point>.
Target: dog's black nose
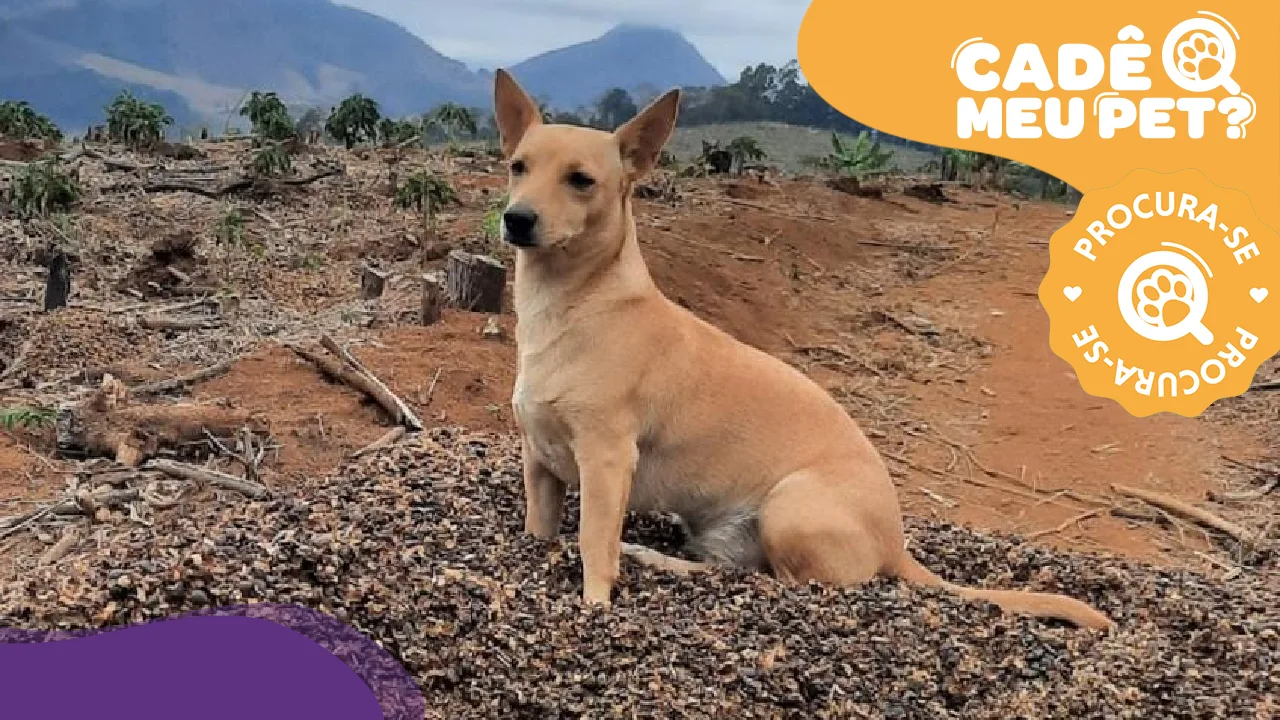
<point>520,222</point>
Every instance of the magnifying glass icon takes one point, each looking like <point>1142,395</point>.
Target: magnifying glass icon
<point>1199,56</point>
<point>1144,304</point>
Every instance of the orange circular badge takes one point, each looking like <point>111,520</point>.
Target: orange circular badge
<point>1163,293</point>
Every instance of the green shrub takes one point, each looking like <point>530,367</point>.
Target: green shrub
<point>136,122</point>
<point>42,188</point>
<point>27,417</point>
<point>20,122</point>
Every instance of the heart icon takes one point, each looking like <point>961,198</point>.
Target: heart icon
<point>1073,293</point>
<point>1259,294</point>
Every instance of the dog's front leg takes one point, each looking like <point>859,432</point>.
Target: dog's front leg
<point>606,469</point>
<point>543,496</point>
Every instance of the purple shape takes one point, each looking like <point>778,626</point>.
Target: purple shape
<point>219,665</point>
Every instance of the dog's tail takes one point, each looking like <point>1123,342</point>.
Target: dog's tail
<point>1037,604</point>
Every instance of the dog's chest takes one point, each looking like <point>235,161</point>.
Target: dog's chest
<point>544,427</point>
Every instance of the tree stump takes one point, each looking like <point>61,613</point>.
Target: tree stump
<point>372,282</point>
<point>475,282</point>
<point>432,295</point>
<point>57,286</point>
<point>69,433</point>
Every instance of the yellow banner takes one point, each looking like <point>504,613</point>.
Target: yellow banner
<point>1164,290</point>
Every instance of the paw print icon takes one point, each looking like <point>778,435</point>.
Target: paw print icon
<point>1169,303</point>
<point>1199,56</point>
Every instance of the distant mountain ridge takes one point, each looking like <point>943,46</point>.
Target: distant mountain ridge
<point>69,58</point>
<point>631,57</point>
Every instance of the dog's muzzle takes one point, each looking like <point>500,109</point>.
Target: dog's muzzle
<point>520,225</point>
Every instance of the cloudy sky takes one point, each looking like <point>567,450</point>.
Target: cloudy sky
<point>486,33</point>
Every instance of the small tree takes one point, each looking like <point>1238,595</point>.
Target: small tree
<point>269,116</point>
<point>397,133</point>
<point>135,122</point>
<point>19,121</point>
<point>615,108</point>
<point>745,149</point>
<point>493,219</point>
<point>42,188</point>
<point>427,193</point>
<point>311,124</point>
<point>957,164</point>
<point>455,120</point>
<point>714,159</point>
<point>232,242</point>
<point>355,120</point>
<point>858,159</point>
<point>272,160</point>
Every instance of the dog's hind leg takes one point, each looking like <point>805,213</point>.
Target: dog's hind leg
<point>813,527</point>
<point>659,561</point>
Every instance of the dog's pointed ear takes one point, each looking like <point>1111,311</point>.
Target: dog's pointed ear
<point>514,110</point>
<point>643,137</point>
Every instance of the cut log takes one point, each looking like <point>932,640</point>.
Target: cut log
<point>133,433</point>
<point>57,286</point>
<point>183,471</point>
<point>432,295</point>
<point>475,282</point>
<point>69,433</point>
<point>372,283</point>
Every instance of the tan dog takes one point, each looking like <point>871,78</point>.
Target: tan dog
<point>641,405</point>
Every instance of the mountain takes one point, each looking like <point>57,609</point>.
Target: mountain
<point>633,57</point>
<point>69,57</point>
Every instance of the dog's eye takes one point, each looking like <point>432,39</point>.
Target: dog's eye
<point>581,181</point>
<point>518,167</point>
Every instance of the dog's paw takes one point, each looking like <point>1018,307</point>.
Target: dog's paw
<point>597,597</point>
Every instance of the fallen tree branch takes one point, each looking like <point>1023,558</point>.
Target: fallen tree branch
<point>18,361</point>
<point>69,538</point>
<point>388,439</point>
<point>178,383</point>
<point>907,246</point>
<point>184,471</point>
<point>777,211</point>
<point>237,185</point>
<point>125,165</point>
<point>198,189</point>
<point>82,504</point>
<point>402,412</point>
<point>1066,523</point>
<point>1188,511</point>
<point>160,322</point>
<point>343,373</point>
